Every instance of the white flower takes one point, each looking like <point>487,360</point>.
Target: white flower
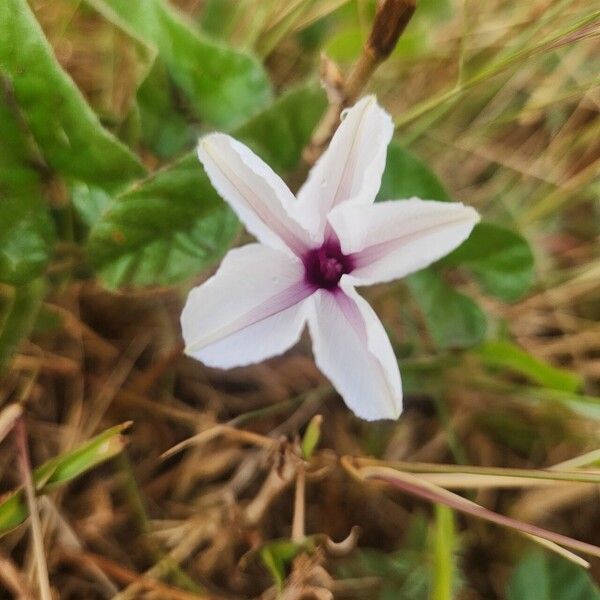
<point>313,251</point>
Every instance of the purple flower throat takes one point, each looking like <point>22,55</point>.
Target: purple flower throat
<point>324,266</point>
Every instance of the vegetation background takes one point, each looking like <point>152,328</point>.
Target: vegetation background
<point>106,220</point>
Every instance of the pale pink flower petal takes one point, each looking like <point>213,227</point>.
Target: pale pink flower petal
<point>317,248</point>
<point>256,193</point>
<point>389,240</point>
<point>352,166</point>
<point>352,349</point>
<point>251,309</point>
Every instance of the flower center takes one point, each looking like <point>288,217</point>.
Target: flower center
<point>326,265</point>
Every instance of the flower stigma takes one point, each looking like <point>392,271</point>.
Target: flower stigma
<point>324,266</point>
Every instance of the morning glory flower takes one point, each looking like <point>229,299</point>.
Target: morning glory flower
<point>313,251</point>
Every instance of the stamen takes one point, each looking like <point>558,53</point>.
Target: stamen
<point>326,265</point>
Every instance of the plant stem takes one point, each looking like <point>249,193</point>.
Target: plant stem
<point>390,22</point>
<point>298,532</point>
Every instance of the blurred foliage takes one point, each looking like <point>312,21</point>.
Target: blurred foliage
<point>545,577</point>
<point>411,572</point>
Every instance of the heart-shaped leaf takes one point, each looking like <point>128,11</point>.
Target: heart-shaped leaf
<point>499,258</point>
<point>453,320</point>
<point>224,85</point>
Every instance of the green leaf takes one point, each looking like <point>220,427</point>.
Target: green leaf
<point>224,85</point>
<point>278,554</point>
<point>13,511</point>
<point>64,127</point>
<point>550,577</point>
<point>279,134</point>
<point>89,202</point>
<point>173,225</point>
<point>499,258</point>
<point>26,236</point>
<point>26,231</point>
<point>95,451</point>
<point>60,470</point>
<point>504,354</point>
<point>18,312</point>
<point>453,320</point>
<point>164,128</point>
<point>311,437</point>
<point>406,176</point>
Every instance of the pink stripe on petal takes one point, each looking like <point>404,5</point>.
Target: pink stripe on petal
<point>350,169</point>
<point>259,197</point>
<point>351,347</point>
<point>378,251</point>
<point>350,311</point>
<point>389,240</point>
<point>272,306</point>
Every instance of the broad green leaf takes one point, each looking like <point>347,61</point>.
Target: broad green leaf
<point>64,127</point>
<point>173,225</point>
<point>19,173</point>
<point>541,576</point>
<point>164,128</point>
<point>19,307</point>
<point>406,176</point>
<point>224,85</point>
<point>453,320</point>
<point>60,470</point>
<point>504,354</point>
<point>26,231</point>
<point>26,236</point>
<point>499,258</point>
<point>89,202</point>
<point>279,133</point>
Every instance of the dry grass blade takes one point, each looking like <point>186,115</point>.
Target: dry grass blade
<point>126,576</point>
<point>8,418</point>
<point>36,526</point>
<point>13,581</point>
<point>239,435</point>
<point>412,484</point>
<point>476,476</point>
